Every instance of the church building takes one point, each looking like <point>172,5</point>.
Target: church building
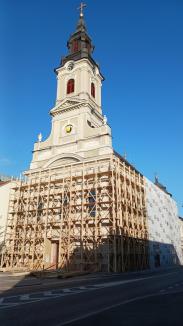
<point>83,207</point>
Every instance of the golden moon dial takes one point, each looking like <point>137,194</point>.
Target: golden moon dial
<point>68,129</point>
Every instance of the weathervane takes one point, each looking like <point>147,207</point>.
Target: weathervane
<point>81,7</point>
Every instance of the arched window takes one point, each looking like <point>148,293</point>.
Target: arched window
<point>70,86</point>
<point>93,90</point>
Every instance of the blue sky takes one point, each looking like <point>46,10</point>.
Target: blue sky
<point>139,46</point>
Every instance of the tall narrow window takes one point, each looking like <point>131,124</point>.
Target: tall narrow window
<point>70,86</point>
<point>93,90</point>
<point>75,46</point>
<point>92,203</point>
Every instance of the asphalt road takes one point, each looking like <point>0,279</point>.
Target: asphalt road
<point>125,300</point>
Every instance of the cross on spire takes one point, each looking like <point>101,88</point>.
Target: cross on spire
<point>81,7</point>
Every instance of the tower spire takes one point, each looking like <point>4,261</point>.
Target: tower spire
<point>79,44</point>
<point>81,26</point>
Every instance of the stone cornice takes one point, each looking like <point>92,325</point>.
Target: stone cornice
<point>70,105</point>
<point>62,109</point>
<point>33,172</point>
<point>106,133</point>
<point>79,63</point>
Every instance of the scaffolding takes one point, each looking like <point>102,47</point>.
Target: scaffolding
<point>86,216</point>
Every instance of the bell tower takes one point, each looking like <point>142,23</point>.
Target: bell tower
<point>79,75</point>
<point>79,129</point>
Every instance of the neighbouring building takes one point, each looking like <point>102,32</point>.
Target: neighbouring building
<point>6,184</point>
<point>181,232</point>
<point>83,206</point>
<point>163,226</point>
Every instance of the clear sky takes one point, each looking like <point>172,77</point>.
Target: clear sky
<point>139,46</point>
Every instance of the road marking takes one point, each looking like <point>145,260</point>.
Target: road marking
<point>66,290</point>
<point>109,284</point>
<point>45,293</point>
<point>82,287</point>
<point>24,297</point>
<point>33,300</point>
<point>109,308</point>
<point>8,305</point>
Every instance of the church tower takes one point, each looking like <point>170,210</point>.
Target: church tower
<point>84,207</point>
<point>79,129</point>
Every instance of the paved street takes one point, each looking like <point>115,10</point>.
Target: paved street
<point>147,298</point>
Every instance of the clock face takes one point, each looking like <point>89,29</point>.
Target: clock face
<point>68,129</point>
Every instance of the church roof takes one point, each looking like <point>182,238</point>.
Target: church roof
<point>79,44</point>
<point>161,186</point>
<point>123,159</point>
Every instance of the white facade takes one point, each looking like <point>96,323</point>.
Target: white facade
<point>89,135</point>
<point>83,73</point>
<point>163,227</point>
<point>5,189</point>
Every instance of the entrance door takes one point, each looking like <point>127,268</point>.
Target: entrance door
<point>54,254</point>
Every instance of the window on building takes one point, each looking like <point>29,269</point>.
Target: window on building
<point>93,90</point>
<point>70,86</point>
<point>92,202</point>
<point>75,46</point>
<point>40,208</point>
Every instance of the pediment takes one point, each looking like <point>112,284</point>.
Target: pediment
<point>67,104</point>
<point>63,159</point>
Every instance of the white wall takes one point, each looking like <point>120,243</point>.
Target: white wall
<point>4,203</point>
<point>181,232</point>
<point>163,226</point>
